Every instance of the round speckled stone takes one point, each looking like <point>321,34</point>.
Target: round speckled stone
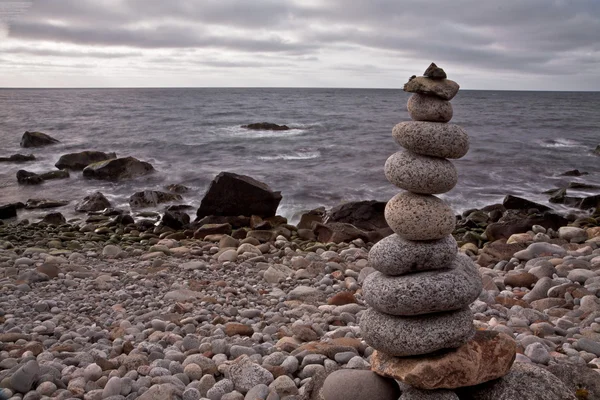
<point>394,255</point>
<point>422,334</point>
<point>435,139</point>
<point>419,216</point>
<point>420,174</point>
<point>422,107</point>
<point>424,292</point>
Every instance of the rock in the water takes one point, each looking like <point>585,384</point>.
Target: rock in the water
<point>266,126</point>
<point>37,139</point>
<point>397,256</point>
<point>245,374</point>
<point>419,217</point>
<point>366,215</point>
<point>18,158</point>
<point>151,198</point>
<point>78,161</point>
<point>117,169</point>
<point>231,194</point>
<point>44,203</point>
<point>8,211</point>
<point>348,384</point>
<point>434,72</point>
<point>177,188</point>
<point>429,108</point>
<point>488,356</point>
<point>524,382</point>
<point>434,139</point>
<point>94,202</point>
<point>420,174</point>
<point>424,292</point>
<point>409,336</point>
<point>28,178</point>
<point>444,89</point>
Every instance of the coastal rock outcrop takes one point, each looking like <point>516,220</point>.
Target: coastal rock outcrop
<point>266,126</point>
<point>118,169</point>
<point>151,198</point>
<point>18,158</point>
<point>37,139</point>
<point>93,202</point>
<point>78,161</point>
<point>31,178</point>
<point>230,194</point>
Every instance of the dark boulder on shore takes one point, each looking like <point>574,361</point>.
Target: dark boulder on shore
<point>366,215</point>
<point>266,126</point>
<point>519,203</point>
<point>37,139</point>
<point>117,169</point>
<point>231,194</point>
<point>8,211</point>
<point>78,161</point>
<point>93,202</point>
<point>517,222</point>
<point>175,219</point>
<point>18,158</point>
<point>44,203</point>
<point>54,218</point>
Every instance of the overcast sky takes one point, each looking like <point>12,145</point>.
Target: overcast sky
<point>482,44</point>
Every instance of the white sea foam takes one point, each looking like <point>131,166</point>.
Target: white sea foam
<point>560,142</point>
<point>299,155</point>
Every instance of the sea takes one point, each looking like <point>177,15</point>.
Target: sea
<point>521,142</point>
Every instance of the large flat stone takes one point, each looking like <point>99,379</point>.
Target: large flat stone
<point>397,256</point>
<point>488,356</point>
<point>424,292</point>
<point>422,107</point>
<point>410,336</point>
<point>435,139</point>
<point>419,217</point>
<point>420,174</point>
<point>442,88</point>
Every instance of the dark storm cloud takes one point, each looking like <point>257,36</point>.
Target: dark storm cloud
<point>541,36</point>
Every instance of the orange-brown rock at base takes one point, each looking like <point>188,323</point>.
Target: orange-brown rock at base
<point>488,356</point>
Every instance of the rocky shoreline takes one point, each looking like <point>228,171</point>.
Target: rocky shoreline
<point>116,308</point>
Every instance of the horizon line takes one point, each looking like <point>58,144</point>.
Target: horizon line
<point>274,87</point>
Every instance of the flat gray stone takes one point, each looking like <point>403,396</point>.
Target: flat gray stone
<point>445,89</point>
<point>23,378</point>
<point>435,139</point>
<point>422,107</point>
<point>419,217</point>
<point>411,336</point>
<point>394,255</point>
<point>420,174</point>
<point>347,384</point>
<point>424,292</point>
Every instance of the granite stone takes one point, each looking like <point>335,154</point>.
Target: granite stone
<point>445,89</point>
<point>424,292</point>
<point>422,107</point>
<point>420,174</point>
<point>418,394</point>
<point>435,139</point>
<point>394,255</point>
<point>347,384</point>
<point>409,336</point>
<point>419,217</point>
<point>489,355</point>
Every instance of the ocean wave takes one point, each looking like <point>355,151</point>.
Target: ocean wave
<point>560,142</point>
<point>293,156</point>
<point>239,132</point>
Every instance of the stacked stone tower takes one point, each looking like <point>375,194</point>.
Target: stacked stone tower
<point>420,294</point>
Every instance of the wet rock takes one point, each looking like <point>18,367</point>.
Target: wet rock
<point>37,139</point>
<point>151,198</point>
<point>78,161</point>
<point>18,158</point>
<point>93,202</point>
<point>518,203</point>
<point>266,126</point>
<point>365,215</point>
<point>118,169</point>
<point>8,211</point>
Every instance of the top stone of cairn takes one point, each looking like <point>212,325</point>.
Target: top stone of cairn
<point>434,72</point>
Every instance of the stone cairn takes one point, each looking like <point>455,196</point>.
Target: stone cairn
<point>418,320</point>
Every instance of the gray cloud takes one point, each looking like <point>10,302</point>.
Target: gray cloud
<point>524,37</point>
